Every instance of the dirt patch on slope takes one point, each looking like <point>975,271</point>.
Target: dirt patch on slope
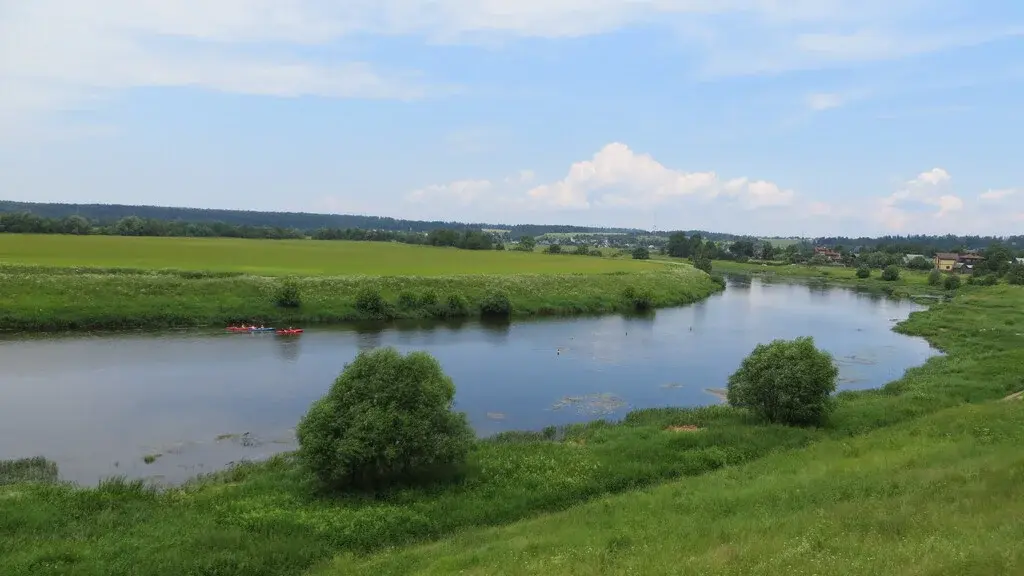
<point>687,428</point>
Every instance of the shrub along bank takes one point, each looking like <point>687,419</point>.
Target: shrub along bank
<point>266,519</point>
<point>42,298</point>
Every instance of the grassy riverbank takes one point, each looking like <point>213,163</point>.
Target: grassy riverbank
<point>41,298</point>
<point>909,279</point>
<point>865,469</point>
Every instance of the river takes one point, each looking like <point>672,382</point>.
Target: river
<point>195,401</point>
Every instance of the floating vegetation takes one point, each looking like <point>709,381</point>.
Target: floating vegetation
<point>37,469</point>
<point>592,404</point>
<point>246,439</point>
<point>496,415</point>
<point>673,386</point>
<point>150,458</point>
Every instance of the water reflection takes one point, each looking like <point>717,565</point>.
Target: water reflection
<point>88,402</point>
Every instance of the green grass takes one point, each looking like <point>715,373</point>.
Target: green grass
<point>904,478</point>
<point>34,298</point>
<point>936,496</point>
<point>286,257</point>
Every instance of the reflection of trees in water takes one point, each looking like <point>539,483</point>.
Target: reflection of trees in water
<point>287,347</point>
<point>496,330</point>
<point>369,336</point>
<point>738,282</point>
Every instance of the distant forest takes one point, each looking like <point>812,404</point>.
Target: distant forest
<point>109,214</point>
<point>53,218</point>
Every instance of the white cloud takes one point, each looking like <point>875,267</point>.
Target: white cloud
<point>997,195</point>
<point>616,180</point>
<point>617,176</point>
<point>824,101</point>
<point>618,186</point>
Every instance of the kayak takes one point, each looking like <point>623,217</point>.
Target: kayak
<point>247,329</point>
<point>289,331</point>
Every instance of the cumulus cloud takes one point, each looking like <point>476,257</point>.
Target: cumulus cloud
<point>615,181</point>
<point>617,176</point>
<point>618,186</point>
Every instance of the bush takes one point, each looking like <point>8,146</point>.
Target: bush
<point>554,249</point>
<point>788,382</point>
<point>370,302</point>
<point>641,253</point>
<point>702,263</point>
<point>454,306</point>
<point>639,300</point>
<point>1016,275</point>
<point>863,272</point>
<point>407,300</point>
<point>952,282</point>
<point>288,294</point>
<point>387,420</point>
<point>934,277</point>
<point>920,263</point>
<point>891,273</point>
<point>428,299</point>
<point>496,304</point>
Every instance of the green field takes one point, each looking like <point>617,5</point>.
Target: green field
<point>54,282</point>
<point>284,257</point>
<point>920,477</point>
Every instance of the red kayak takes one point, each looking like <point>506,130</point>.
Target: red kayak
<point>289,331</point>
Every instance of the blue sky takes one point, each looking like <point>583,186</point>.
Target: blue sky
<point>801,117</point>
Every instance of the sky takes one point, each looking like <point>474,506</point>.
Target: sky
<point>769,117</point>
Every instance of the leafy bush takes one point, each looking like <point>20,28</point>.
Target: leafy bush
<point>496,304</point>
<point>952,282</point>
<point>428,299</point>
<point>407,300</point>
<point>788,382</point>
<point>920,263</point>
<point>370,302</point>
<point>288,294</point>
<point>639,300</point>
<point>1016,275</point>
<point>554,249</point>
<point>641,253</point>
<point>702,263</point>
<point>934,277</point>
<point>863,272</point>
<point>454,306</point>
<point>891,273</point>
<point>387,420</point>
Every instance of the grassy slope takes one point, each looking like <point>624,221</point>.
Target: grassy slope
<point>908,278</point>
<point>936,496</point>
<point>61,299</point>
<point>284,257</point>
<point>261,519</point>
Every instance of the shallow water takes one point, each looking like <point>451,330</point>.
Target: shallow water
<point>198,400</point>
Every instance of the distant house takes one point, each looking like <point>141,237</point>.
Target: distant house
<point>908,257</point>
<point>1019,260</point>
<point>970,259</point>
<point>828,254</point>
<point>946,261</point>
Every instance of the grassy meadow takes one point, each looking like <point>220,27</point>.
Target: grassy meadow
<point>920,476</point>
<point>286,257</point>
<point>52,282</point>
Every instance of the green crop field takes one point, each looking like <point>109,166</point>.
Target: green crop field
<point>284,257</point>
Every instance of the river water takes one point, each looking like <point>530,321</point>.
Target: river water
<point>199,400</point>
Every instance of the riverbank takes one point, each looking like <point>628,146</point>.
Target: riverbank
<point>36,298</point>
<point>262,518</point>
